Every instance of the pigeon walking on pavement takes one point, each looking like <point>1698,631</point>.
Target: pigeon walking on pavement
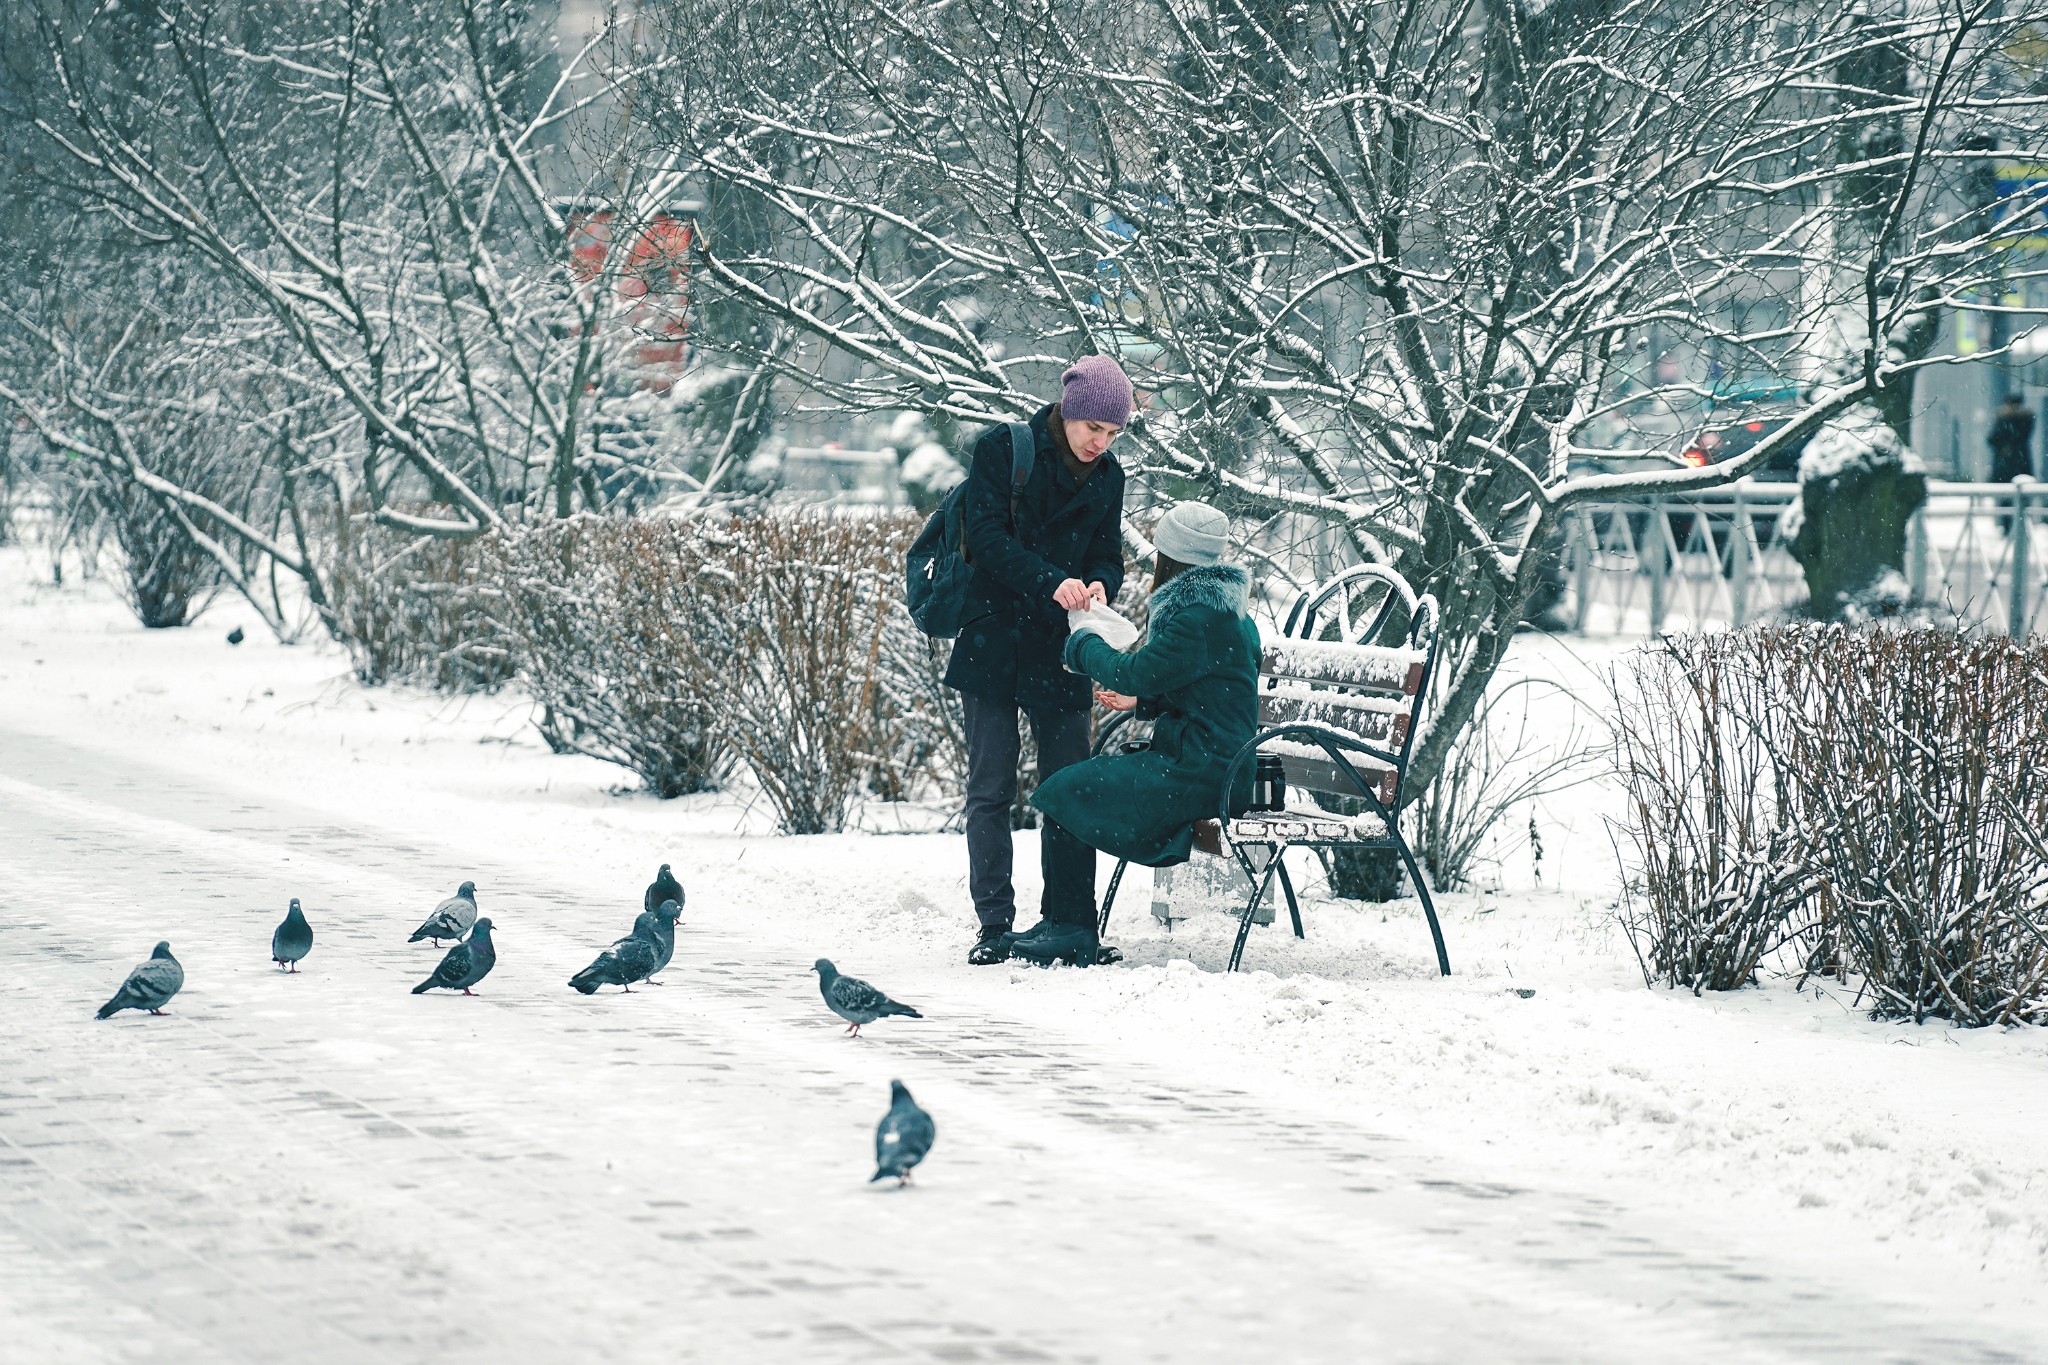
<point>665,917</point>
<point>630,959</point>
<point>902,1137</point>
<point>855,1000</point>
<point>149,986</point>
<point>664,887</point>
<point>451,918</point>
<point>292,940</point>
<point>467,963</point>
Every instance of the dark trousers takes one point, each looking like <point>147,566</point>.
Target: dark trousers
<point>1067,864</point>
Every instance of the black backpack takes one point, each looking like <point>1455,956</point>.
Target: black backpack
<point>935,572</point>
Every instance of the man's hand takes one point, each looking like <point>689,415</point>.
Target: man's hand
<point>1071,595</point>
<point>1114,701</point>
<point>1099,593</point>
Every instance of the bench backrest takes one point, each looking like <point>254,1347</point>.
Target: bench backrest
<point>1320,671</point>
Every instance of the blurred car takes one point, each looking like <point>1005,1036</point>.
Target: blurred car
<point>1718,444</point>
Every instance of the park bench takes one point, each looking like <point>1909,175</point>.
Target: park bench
<point>1341,716</point>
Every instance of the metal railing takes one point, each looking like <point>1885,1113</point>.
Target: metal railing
<point>866,478</point>
<point>1976,557</point>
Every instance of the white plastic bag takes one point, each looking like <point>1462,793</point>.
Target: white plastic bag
<point>1104,621</point>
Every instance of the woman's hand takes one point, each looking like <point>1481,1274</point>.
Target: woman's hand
<point>1114,701</point>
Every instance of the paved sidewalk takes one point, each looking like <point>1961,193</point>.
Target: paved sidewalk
<point>323,1167</point>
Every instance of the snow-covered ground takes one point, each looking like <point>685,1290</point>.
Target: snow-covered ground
<point>1334,1155</point>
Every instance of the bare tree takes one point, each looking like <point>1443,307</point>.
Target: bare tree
<point>382,203</point>
<point>1386,267</point>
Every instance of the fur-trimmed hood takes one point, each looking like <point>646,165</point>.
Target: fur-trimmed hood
<point>1222,587</point>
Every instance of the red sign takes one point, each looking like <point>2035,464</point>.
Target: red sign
<point>652,283</point>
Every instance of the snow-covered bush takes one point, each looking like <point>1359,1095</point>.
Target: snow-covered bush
<point>810,710</point>
<point>1914,760</point>
<point>680,647</point>
<point>167,577</point>
<point>416,609</point>
<point>1713,865</point>
<point>1872,799</point>
<point>921,746</point>
<point>626,633</point>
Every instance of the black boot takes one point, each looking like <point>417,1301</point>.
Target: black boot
<point>1050,943</point>
<point>1011,939</point>
<point>991,946</point>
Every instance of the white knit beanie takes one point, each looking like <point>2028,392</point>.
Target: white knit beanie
<point>1193,533</point>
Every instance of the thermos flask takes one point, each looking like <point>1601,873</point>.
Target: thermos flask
<point>1269,784</point>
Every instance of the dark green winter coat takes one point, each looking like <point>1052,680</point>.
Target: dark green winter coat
<point>1198,674</point>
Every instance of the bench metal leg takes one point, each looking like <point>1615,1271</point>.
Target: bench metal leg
<point>1244,922</point>
<point>1287,885</point>
<point>1443,959</point>
<point>1109,897</point>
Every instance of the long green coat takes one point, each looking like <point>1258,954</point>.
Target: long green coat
<point>1198,673</point>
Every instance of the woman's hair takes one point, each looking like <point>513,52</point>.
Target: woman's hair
<point>1165,569</point>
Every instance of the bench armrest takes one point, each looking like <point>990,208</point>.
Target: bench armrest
<point>1118,723</point>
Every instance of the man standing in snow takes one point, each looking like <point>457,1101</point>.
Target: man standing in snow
<point>1064,548</point>
<point>2012,440</point>
<point>2012,447</point>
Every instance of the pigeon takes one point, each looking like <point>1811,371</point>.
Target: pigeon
<point>855,1000</point>
<point>465,964</point>
<point>664,936</point>
<point>664,887</point>
<point>235,636</point>
<point>293,939</point>
<point>630,959</point>
<point>451,918</point>
<point>902,1137</point>
<point>149,987</point>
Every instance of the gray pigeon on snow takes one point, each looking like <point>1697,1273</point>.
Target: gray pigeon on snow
<point>664,887</point>
<point>902,1137</point>
<point>292,940</point>
<point>630,959</point>
<point>150,986</point>
<point>467,963</point>
<point>855,1000</point>
<point>665,917</point>
<point>451,918</point>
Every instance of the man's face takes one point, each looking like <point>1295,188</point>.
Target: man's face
<point>1089,439</point>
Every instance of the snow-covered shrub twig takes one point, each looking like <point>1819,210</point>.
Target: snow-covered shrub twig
<point>166,578</point>
<point>1502,759</point>
<point>921,734</point>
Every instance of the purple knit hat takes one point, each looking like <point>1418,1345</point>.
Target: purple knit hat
<point>1096,390</point>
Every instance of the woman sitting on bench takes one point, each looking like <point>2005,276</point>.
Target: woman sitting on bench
<point>1196,677</point>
